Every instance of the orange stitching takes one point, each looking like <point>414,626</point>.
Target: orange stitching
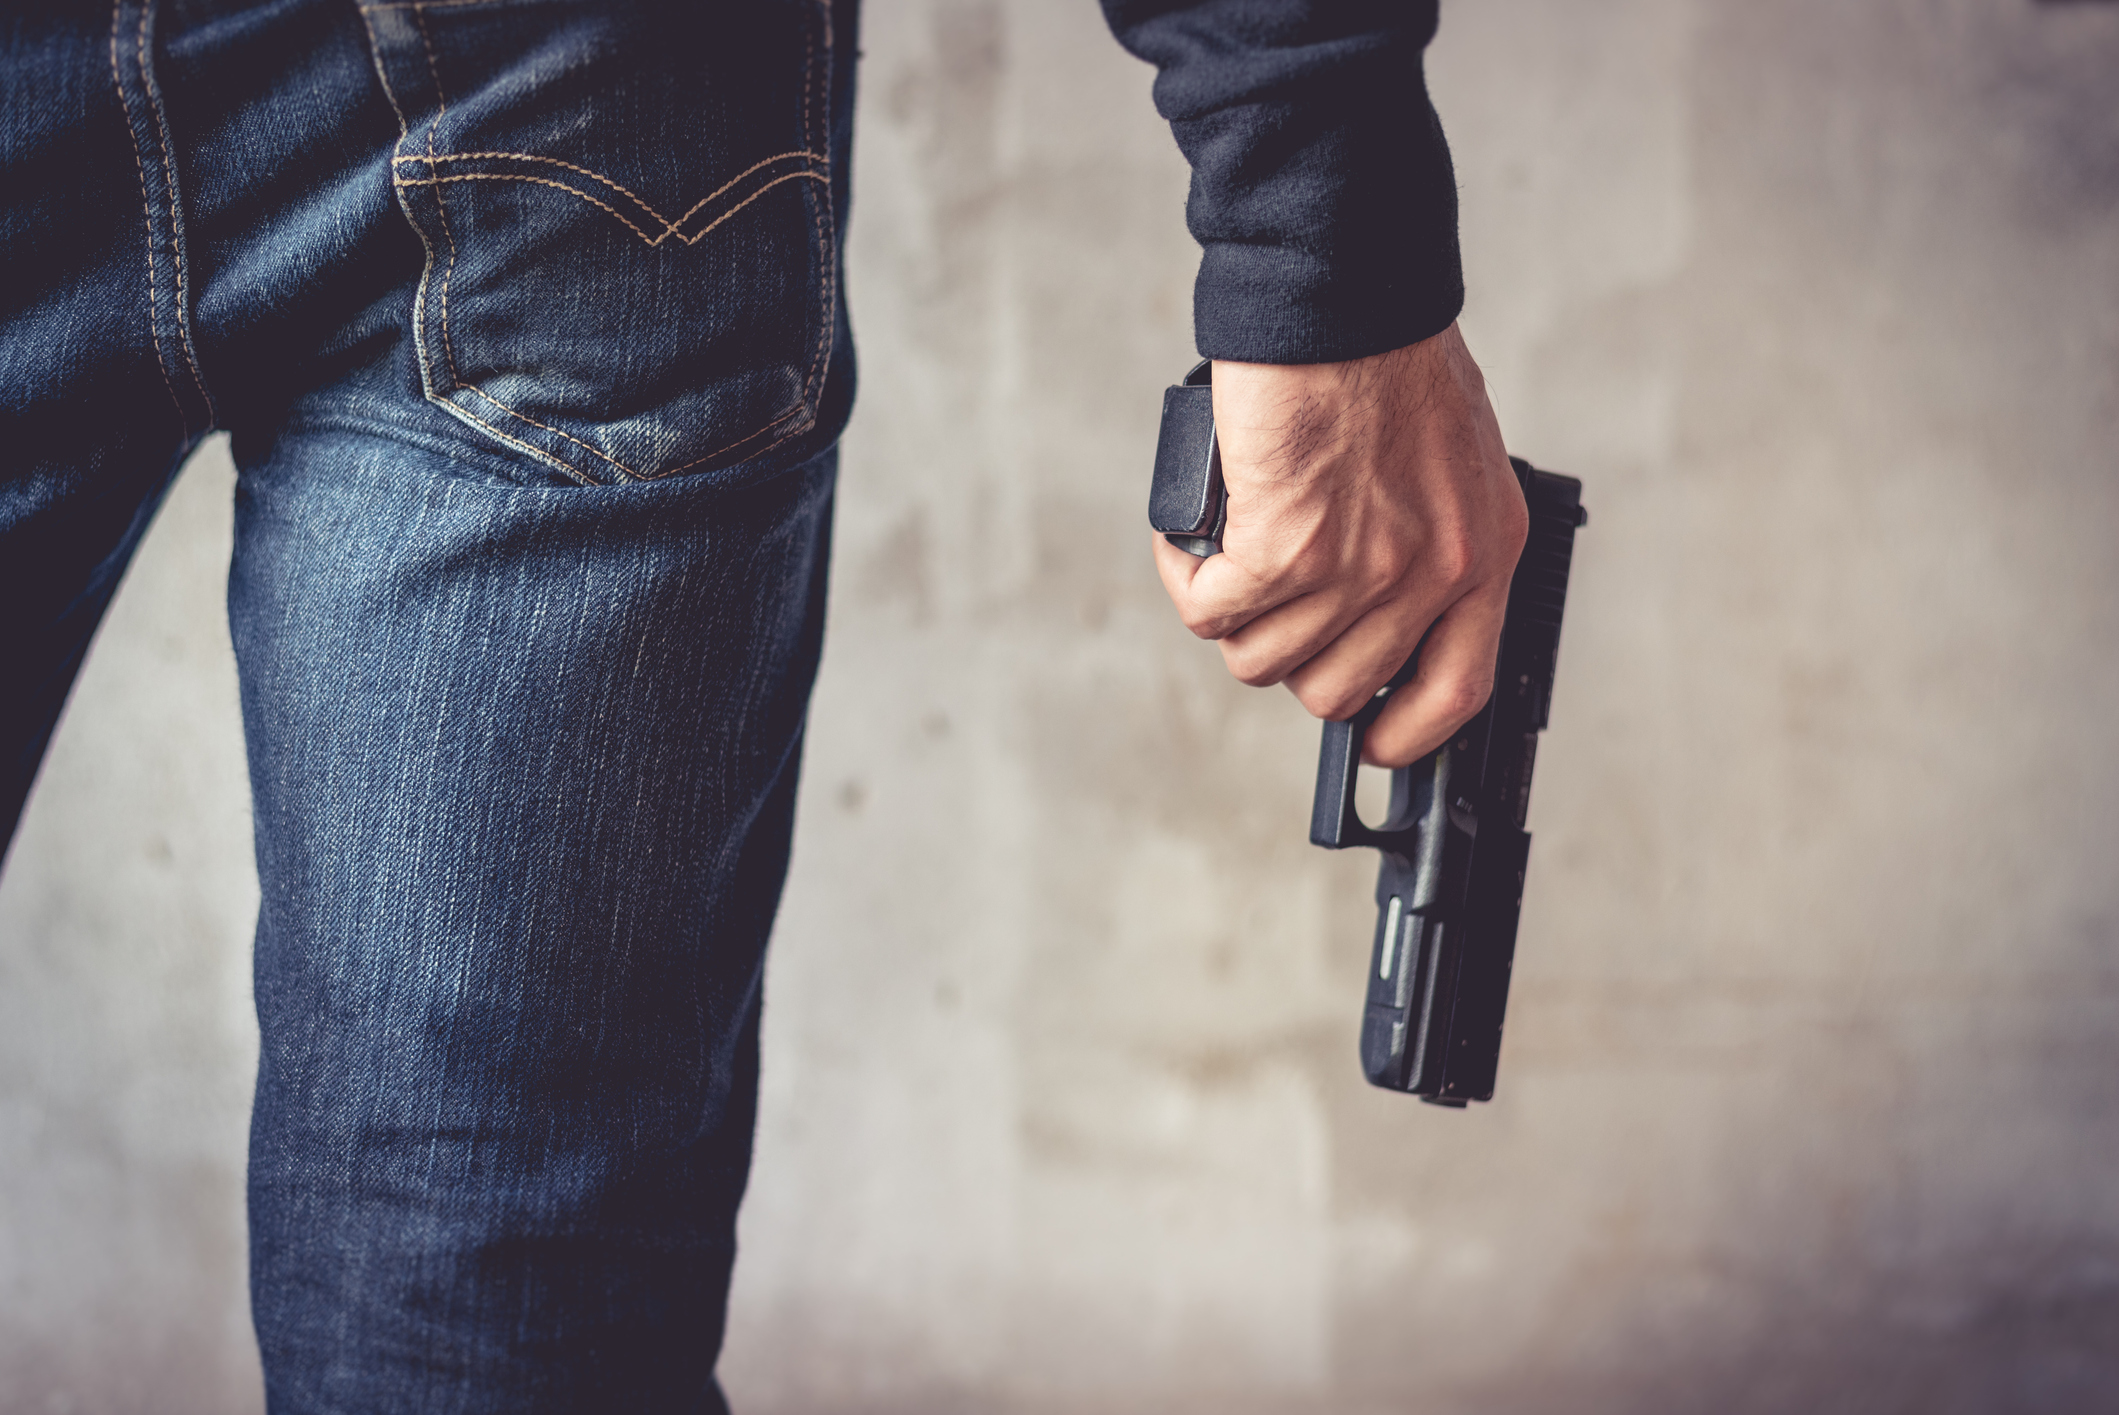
<point>441,208</point>
<point>474,388</point>
<point>777,419</point>
<point>540,181</point>
<point>154,316</point>
<point>419,331</point>
<point>426,273</point>
<point>669,227</point>
<point>532,157</point>
<point>461,411</point>
<point>614,211</point>
<point>459,384</point>
<point>790,177</point>
<point>817,157</point>
<point>668,224</point>
<point>176,248</point>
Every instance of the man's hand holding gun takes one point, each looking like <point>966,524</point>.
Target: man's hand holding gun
<point>1369,503</point>
<point>1358,532</point>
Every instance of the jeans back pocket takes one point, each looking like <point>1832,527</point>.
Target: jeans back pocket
<point>626,208</point>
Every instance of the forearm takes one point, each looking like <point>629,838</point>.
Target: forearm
<point>1322,193</point>
<point>1371,506</point>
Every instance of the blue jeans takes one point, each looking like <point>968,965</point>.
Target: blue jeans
<point>526,321</point>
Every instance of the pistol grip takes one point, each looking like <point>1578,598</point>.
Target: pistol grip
<point>1187,501</point>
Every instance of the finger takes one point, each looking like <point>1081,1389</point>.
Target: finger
<point>1281,640</point>
<point>1215,596</point>
<point>1346,673</point>
<point>1333,646</point>
<point>1176,568</point>
<point>1453,681</point>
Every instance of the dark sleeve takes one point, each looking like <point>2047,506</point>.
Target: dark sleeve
<point>1321,185</point>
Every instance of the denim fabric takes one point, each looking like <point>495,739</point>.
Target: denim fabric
<point>526,321</point>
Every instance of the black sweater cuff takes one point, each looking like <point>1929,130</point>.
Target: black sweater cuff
<point>1321,185</point>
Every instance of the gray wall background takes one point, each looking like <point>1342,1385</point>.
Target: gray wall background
<point>1811,1094</point>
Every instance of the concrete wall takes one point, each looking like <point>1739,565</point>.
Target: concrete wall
<point>1811,1094</point>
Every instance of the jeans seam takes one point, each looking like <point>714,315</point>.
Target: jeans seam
<point>539,453</point>
<point>827,262</point>
<point>176,239</point>
<point>587,447</point>
<point>441,110</point>
<point>809,420</point>
<point>827,266</point>
<point>154,298</point>
<point>382,74</point>
<point>404,135</point>
<point>441,208</point>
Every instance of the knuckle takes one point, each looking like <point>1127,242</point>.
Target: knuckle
<point>1459,699</point>
<point>1333,702</point>
<point>1515,527</point>
<point>1201,622</point>
<point>1384,573</point>
<point>1298,577</point>
<point>1454,556</point>
<point>1250,669</point>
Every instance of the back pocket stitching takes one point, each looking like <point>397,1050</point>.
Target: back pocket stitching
<point>585,446</point>
<point>827,311</point>
<point>457,382</point>
<point>669,227</point>
<point>518,177</point>
<point>652,241</point>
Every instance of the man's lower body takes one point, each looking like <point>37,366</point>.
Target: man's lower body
<point>525,318</point>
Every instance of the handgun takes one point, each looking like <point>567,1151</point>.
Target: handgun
<point>1454,849</point>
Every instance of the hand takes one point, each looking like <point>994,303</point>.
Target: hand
<point>1368,500</point>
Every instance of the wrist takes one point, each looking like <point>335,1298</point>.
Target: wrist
<point>1279,418</point>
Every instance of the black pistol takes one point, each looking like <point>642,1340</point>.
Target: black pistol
<point>1453,843</point>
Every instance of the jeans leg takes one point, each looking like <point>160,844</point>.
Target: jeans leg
<point>99,397</point>
<point>524,763</point>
